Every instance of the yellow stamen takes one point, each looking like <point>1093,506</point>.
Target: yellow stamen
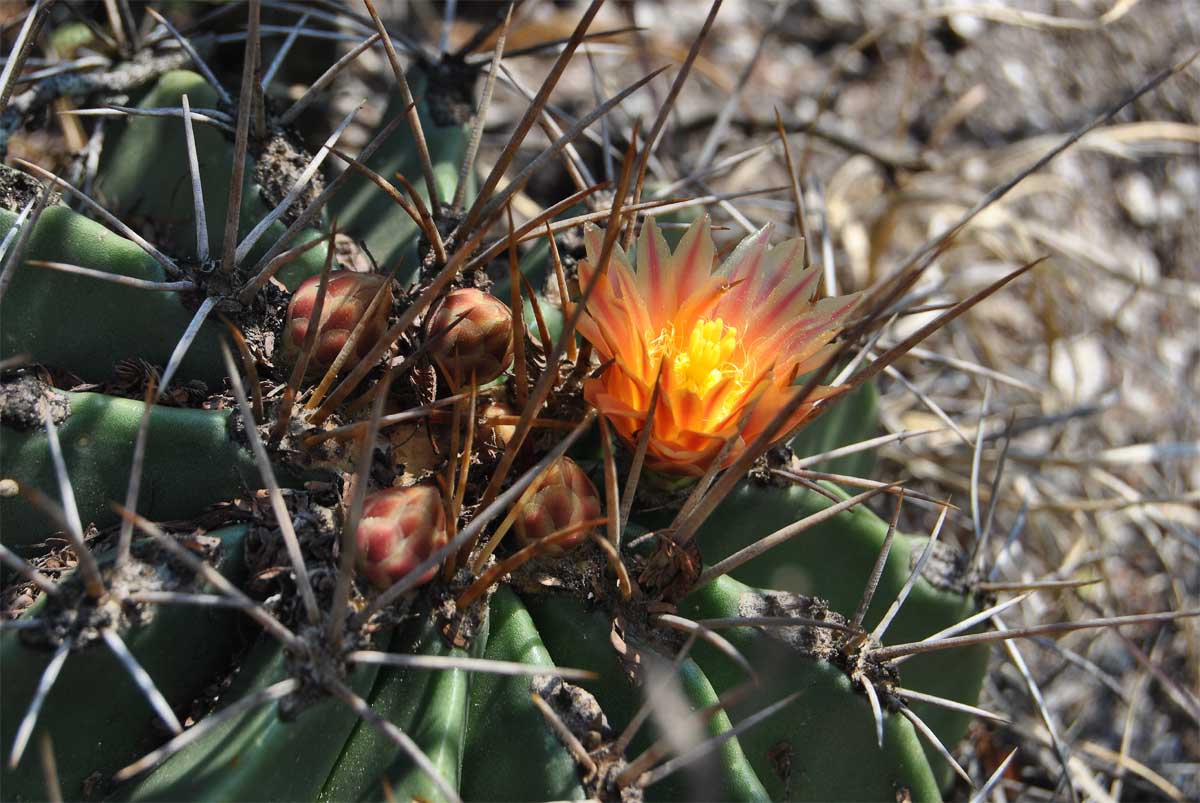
<point>704,359</point>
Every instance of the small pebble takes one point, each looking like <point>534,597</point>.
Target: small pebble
<point>1137,197</point>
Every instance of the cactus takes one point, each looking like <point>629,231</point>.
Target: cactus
<point>312,612</point>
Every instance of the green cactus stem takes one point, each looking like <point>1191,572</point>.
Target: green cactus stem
<point>504,728</point>
<point>95,714</point>
<point>824,748</point>
<point>85,325</point>
<point>192,461</point>
<point>430,706</point>
<point>579,636</point>
<point>164,195</point>
<point>259,755</point>
<point>834,560</point>
<point>849,420</point>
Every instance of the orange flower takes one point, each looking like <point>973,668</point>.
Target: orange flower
<point>731,342</point>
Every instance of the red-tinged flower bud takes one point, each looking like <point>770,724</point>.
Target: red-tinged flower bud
<point>563,496</point>
<point>346,301</point>
<point>481,343</point>
<point>400,528</point>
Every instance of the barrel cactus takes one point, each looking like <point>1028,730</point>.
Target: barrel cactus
<point>590,567</point>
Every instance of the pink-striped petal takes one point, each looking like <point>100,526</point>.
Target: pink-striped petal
<point>653,281</point>
<point>692,261</point>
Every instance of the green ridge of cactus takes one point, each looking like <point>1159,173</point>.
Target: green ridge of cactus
<point>164,195</point>
<point>259,755</point>
<point>192,462</point>
<point>86,326</point>
<point>504,728</point>
<point>828,741</point>
<point>430,706</point>
<point>829,727</point>
<point>834,560</point>
<point>577,636</point>
<point>737,779</point>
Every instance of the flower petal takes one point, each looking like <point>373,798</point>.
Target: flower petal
<point>619,308</point>
<point>732,268</point>
<point>785,302</point>
<point>743,272</point>
<point>692,261</point>
<point>656,286</point>
<point>817,327</point>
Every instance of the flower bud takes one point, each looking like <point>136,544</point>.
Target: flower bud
<point>400,528</point>
<point>563,496</point>
<point>481,343</point>
<point>347,298</point>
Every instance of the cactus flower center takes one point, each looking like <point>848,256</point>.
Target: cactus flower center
<point>705,360</point>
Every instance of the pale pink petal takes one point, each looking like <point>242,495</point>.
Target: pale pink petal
<point>692,261</point>
<point>743,272</point>
<point>784,262</point>
<point>656,286</point>
<point>821,323</point>
<point>800,363</point>
<point>593,240</point>
<point>785,303</point>
<point>734,265</point>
